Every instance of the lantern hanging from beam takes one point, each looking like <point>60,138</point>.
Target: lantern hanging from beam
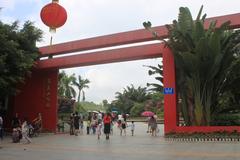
<point>54,16</point>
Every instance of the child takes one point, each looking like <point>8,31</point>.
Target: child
<point>132,128</point>
<point>119,123</point>
<point>88,126</point>
<point>124,126</point>
<point>99,130</point>
<point>111,128</point>
<point>81,127</point>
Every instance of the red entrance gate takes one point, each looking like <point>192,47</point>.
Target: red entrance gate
<point>40,92</point>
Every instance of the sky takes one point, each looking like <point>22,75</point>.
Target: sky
<point>91,18</point>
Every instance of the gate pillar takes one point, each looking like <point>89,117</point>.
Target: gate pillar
<point>170,100</point>
<point>39,95</point>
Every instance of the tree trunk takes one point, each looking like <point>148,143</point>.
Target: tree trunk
<point>79,94</point>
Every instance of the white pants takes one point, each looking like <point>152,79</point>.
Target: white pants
<point>25,136</point>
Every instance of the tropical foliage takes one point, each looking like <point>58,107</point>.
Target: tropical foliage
<point>137,109</point>
<point>81,83</point>
<point>125,100</point>
<point>18,53</point>
<point>158,72</point>
<point>65,85</point>
<point>136,100</point>
<point>207,66</point>
<point>89,106</point>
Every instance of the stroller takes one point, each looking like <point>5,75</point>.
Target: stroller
<point>31,131</point>
<point>36,126</point>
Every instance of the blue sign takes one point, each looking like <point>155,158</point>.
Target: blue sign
<point>168,91</point>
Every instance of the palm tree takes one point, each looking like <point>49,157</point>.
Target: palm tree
<point>81,84</point>
<point>125,101</point>
<point>158,71</point>
<point>65,85</point>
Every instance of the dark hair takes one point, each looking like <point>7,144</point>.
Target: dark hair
<point>132,121</point>
<point>25,119</point>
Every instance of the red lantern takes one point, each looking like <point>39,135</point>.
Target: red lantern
<point>53,15</point>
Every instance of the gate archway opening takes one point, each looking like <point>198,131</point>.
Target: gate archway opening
<point>39,94</point>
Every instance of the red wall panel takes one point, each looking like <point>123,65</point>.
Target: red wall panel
<point>39,95</point>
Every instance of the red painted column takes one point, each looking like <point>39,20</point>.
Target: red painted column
<point>39,95</point>
<point>170,107</point>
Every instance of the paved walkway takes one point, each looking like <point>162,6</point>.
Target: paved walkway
<point>139,147</point>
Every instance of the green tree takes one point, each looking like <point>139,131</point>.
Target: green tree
<point>125,101</point>
<point>158,72</point>
<point>106,105</point>
<point>229,100</point>
<point>137,109</point>
<point>18,53</point>
<point>204,59</point>
<point>65,85</point>
<point>81,83</point>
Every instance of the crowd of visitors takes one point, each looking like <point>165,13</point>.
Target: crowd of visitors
<point>97,123</point>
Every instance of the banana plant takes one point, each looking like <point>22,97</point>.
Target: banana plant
<point>203,59</point>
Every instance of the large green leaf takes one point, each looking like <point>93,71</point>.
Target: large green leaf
<point>185,20</point>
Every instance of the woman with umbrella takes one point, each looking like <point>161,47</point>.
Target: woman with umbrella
<point>151,119</point>
<point>153,125</point>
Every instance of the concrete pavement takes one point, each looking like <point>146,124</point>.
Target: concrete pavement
<point>139,147</point>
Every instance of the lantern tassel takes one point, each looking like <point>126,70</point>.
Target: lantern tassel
<point>52,30</point>
<point>55,1</point>
<point>51,39</point>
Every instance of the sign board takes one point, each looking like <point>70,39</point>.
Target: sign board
<point>168,91</point>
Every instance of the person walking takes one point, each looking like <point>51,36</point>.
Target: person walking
<point>81,126</point>
<point>76,123</point>
<point>94,123</point>
<point>1,127</point>
<point>124,126</point>
<point>132,127</point>
<point>153,125</point>
<point>88,126</point>
<point>119,125</point>
<point>72,124</point>
<point>25,130</point>
<point>107,124</point>
<point>99,130</point>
